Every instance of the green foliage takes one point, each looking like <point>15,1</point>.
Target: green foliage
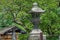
<point>52,38</point>
<point>15,13</point>
<point>23,36</point>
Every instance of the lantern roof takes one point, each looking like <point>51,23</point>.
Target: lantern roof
<point>35,8</point>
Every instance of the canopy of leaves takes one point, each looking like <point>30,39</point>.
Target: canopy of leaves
<point>15,13</point>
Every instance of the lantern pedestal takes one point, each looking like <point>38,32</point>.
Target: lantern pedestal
<point>36,34</point>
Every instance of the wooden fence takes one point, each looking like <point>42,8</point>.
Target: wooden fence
<point>7,37</point>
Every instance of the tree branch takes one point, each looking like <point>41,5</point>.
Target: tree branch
<point>19,23</point>
<point>14,19</point>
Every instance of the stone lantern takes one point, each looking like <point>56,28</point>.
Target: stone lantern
<point>36,33</point>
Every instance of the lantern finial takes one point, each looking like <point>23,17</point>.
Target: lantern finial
<point>35,4</point>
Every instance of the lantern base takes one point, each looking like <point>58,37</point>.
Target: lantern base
<point>36,34</point>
